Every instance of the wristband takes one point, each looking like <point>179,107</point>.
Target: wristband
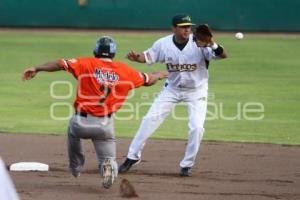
<point>214,46</point>
<point>219,50</point>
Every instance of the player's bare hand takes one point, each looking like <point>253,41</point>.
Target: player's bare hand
<point>161,75</point>
<point>133,56</point>
<point>29,73</point>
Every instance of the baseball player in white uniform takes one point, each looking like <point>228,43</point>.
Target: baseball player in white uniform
<point>7,188</point>
<point>186,57</point>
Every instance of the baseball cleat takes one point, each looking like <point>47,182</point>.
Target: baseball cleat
<point>107,172</point>
<point>128,164</point>
<point>75,172</point>
<point>185,171</point>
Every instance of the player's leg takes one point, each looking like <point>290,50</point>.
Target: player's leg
<point>75,150</point>
<point>159,110</point>
<point>197,112</point>
<point>101,131</point>
<point>106,154</point>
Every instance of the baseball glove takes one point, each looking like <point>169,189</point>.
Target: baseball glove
<point>203,34</point>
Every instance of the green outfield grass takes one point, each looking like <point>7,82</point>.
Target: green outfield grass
<point>261,69</point>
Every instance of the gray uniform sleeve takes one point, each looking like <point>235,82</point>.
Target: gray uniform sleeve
<point>155,53</point>
<point>209,54</point>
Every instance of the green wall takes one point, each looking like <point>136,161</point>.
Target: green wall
<point>227,15</point>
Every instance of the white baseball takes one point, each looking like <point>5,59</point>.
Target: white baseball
<point>239,35</point>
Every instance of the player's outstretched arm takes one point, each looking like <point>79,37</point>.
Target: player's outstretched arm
<point>136,57</point>
<point>31,72</point>
<point>155,76</point>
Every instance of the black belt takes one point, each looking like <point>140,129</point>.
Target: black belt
<point>83,114</point>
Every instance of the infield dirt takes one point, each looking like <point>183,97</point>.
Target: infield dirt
<point>226,171</point>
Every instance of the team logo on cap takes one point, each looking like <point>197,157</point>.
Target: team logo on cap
<point>187,18</point>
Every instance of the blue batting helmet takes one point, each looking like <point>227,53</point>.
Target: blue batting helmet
<point>105,47</point>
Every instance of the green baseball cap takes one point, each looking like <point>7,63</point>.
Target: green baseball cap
<point>182,20</point>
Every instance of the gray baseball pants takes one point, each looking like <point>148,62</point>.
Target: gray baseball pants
<point>101,131</point>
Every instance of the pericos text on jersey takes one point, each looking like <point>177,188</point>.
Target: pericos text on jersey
<point>181,67</point>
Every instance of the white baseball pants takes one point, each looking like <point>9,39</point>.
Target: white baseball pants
<point>196,100</point>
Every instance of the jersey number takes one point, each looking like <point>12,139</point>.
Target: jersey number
<point>106,91</point>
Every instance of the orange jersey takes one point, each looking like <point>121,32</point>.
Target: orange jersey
<point>102,85</point>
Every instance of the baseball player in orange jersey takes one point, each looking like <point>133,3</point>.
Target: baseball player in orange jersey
<point>103,86</point>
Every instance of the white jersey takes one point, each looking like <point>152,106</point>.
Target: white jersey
<point>187,67</point>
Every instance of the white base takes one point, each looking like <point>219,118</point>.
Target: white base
<point>29,166</point>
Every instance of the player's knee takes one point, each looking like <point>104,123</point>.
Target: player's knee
<point>197,130</point>
<point>154,116</point>
<point>109,136</point>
